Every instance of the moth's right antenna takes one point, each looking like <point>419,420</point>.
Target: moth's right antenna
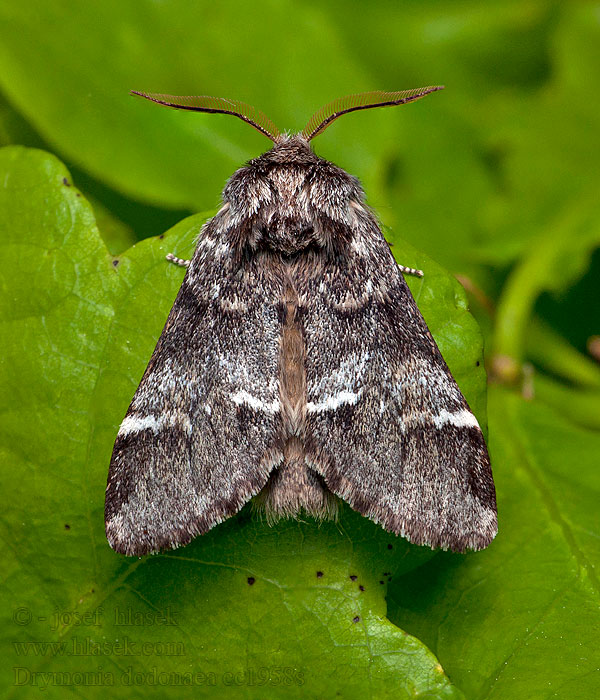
<point>365,100</point>
<point>218,105</point>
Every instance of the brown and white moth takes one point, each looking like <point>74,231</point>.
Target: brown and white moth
<point>296,368</point>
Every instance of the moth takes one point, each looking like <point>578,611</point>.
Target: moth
<point>295,369</point>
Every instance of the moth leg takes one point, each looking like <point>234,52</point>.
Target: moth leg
<point>177,261</point>
<point>410,271</point>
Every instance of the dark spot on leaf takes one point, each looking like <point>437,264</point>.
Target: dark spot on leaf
<point>477,363</point>
<point>381,582</point>
<point>66,182</point>
<point>67,526</point>
<point>387,573</point>
<point>361,588</point>
<point>353,577</point>
<point>162,235</point>
<point>92,591</point>
<point>251,580</point>
<point>319,574</point>
<point>78,194</point>
<point>390,546</point>
<point>356,619</point>
<point>115,263</point>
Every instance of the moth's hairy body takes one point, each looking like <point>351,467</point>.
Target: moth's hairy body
<point>293,486</point>
<point>287,204</point>
<point>296,367</point>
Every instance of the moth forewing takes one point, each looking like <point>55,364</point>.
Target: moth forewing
<point>295,367</point>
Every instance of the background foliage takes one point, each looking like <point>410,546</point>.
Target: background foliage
<point>495,179</point>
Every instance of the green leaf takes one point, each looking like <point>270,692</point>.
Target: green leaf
<point>445,168</point>
<point>550,145</point>
<point>550,262</point>
<point>14,129</point>
<point>103,50</point>
<point>79,326</point>
<point>496,178</point>
<point>521,619</point>
<point>458,174</point>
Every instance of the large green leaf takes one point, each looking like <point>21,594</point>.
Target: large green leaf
<point>500,167</point>
<point>549,141</point>
<point>458,174</point>
<point>102,50</point>
<point>78,327</point>
<point>522,619</point>
<point>503,154</point>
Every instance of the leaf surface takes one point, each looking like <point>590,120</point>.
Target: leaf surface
<point>300,606</point>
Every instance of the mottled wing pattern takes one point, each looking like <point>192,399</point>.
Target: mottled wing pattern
<point>387,425</point>
<point>191,451</point>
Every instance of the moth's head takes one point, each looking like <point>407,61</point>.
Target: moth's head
<point>319,121</point>
<point>288,196</point>
<point>289,149</point>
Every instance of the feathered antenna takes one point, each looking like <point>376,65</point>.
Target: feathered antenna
<point>365,100</point>
<point>218,105</point>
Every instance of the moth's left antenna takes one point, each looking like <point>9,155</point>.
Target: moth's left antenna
<point>218,105</point>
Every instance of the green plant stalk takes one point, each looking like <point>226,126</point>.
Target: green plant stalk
<point>557,255</point>
<point>549,350</point>
<point>516,305</point>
